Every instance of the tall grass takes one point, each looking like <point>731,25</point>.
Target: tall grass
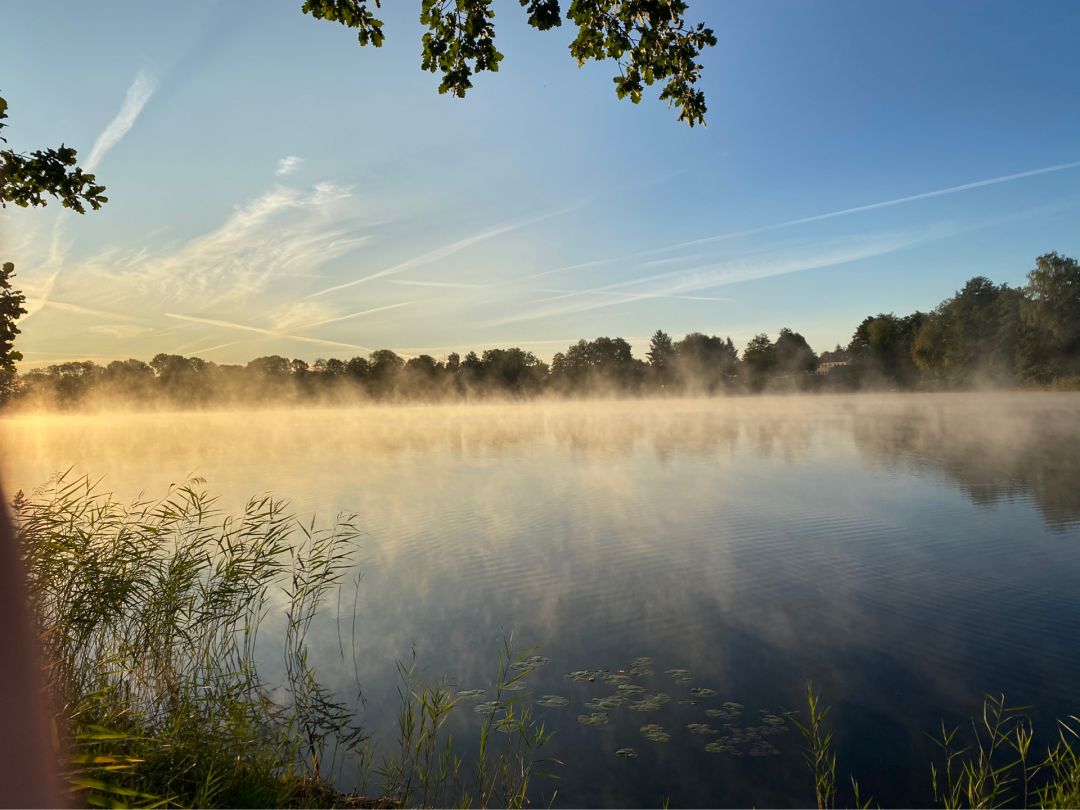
<point>149,615</point>
<point>427,771</point>
<point>992,765</point>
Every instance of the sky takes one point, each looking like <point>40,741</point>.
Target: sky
<point>274,188</point>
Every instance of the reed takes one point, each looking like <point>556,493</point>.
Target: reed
<point>149,616</point>
<point>991,764</point>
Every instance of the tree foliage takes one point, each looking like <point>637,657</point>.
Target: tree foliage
<point>11,309</point>
<point>650,41</point>
<point>26,179</point>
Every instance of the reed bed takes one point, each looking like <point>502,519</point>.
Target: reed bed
<point>149,614</point>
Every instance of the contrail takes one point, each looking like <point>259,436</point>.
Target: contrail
<point>137,95</point>
<point>926,195</point>
<point>559,294</point>
<point>452,285</point>
<point>710,276</point>
<point>260,331</point>
<point>992,181</point>
<point>446,250</point>
<point>356,315</point>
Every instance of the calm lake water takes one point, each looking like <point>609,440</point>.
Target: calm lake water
<point>905,553</point>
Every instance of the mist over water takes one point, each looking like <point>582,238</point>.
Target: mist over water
<point>905,552</point>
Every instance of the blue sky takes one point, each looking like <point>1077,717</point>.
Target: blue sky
<point>276,189</point>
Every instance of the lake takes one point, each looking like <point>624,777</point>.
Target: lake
<point>906,553</point>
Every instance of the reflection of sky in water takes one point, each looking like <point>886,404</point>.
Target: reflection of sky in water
<point>905,553</point>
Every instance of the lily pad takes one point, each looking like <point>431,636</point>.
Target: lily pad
<point>773,719</point>
<point>629,687</point>
<point>490,707</point>
<point>640,666</point>
<point>606,704</point>
<point>471,694</point>
<point>532,662</point>
<point>702,691</point>
<point>626,752</point>
<point>701,728</point>
<point>763,748</point>
<point>655,733</point>
<point>717,747</point>
<point>616,679</point>
<point>731,706</point>
<point>586,675</point>
<point>650,703</point>
<point>552,701</point>
<point>678,675</point>
<point>595,719</point>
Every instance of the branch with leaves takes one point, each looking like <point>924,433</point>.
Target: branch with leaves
<point>649,40</point>
<point>27,178</point>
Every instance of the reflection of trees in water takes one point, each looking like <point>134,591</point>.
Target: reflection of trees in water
<point>993,448</point>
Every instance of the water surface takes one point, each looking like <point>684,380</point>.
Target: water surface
<point>906,553</point>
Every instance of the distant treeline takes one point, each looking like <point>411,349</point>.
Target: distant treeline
<point>984,335</point>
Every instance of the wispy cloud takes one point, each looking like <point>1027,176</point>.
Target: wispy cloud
<point>282,231</point>
<point>121,331</point>
<point>446,250</point>
<point>77,309</point>
<point>288,165</point>
<point>243,327</point>
<point>138,94</point>
<point>719,274</point>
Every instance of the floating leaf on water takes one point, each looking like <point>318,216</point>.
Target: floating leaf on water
<point>702,691</point>
<point>689,702</point>
<point>553,701</point>
<point>655,733</point>
<point>630,687</point>
<point>506,725</point>
<point>717,713</point>
<point>762,748</point>
<point>471,694</point>
<point>516,686</point>
<point>626,752</point>
<point>640,666</point>
<point>733,707</point>
<point>594,719</point>
<point>490,707</point>
<point>717,747</point>
<point>616,679</point>
<point>701,728</point>
<point>532,662</point>
<point>586,675</point>
<point>650,703</point>
<point>606,703</point>
<point>773,720</point>
<point>678,675</point>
